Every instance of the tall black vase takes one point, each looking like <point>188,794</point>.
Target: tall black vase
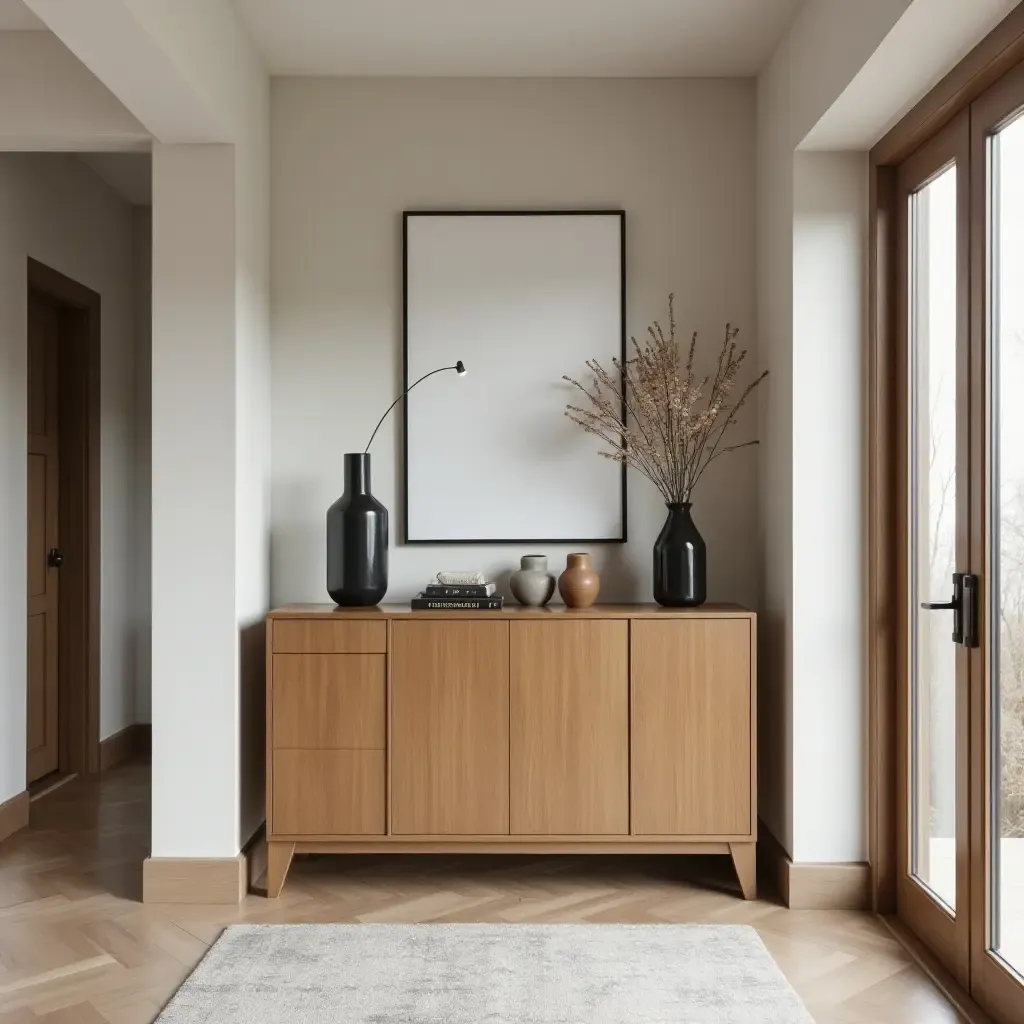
<point>357,539</point>
<point>680,561</point>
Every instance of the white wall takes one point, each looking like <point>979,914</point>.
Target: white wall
<point>211,514</point>
<point>811,255</point>
<point>142,542</point>
<point>349,155</point>
<point>830,234</point>
<point>55,210</point>
<point>195,648</point>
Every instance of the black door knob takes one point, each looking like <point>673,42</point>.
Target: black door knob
<point>54,558</point>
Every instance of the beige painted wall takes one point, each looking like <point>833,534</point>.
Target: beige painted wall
<point>52,102</point>
<point>349,156</point>
<point>56,210</point>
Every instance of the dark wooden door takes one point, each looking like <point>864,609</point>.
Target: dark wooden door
<point>43,478</point>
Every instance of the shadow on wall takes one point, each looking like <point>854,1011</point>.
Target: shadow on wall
<point>252,653</point>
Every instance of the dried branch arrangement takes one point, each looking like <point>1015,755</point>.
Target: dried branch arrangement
<point>672,427</point>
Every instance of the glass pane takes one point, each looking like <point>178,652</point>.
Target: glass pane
<point>933,322</point>
<point>1007,575</point>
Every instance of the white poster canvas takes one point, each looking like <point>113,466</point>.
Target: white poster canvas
<point>521,299</point>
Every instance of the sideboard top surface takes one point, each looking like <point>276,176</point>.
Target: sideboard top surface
<point>597,611</point>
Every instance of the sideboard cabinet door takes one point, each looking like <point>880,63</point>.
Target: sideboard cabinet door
<point>570,727</point>
<point>449,728</point>
<point>690,725</point>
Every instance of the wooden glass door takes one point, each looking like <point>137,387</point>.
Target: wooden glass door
<point>960,665</point>
<point>933,885</point>
<point>997,547</point>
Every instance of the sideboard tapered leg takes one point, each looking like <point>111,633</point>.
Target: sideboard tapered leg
<point>279,860</point>
<point>744,859</point>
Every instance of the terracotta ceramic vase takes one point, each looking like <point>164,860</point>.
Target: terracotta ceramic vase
<point>579,584</point>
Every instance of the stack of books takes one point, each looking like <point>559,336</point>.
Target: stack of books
<point>450,590</point>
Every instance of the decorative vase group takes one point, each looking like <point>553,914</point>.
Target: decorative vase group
<point>357,555</point>
<point>680,561</point>
<point>357,539</point>
<point>532,585</point>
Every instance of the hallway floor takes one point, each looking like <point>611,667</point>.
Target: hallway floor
<point>76,946</point>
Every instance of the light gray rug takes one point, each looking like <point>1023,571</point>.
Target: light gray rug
<point>487,974</point>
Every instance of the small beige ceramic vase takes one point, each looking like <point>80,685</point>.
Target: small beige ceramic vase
<point>579,584</point>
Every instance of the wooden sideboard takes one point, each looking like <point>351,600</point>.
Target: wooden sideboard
<point>612,729</point>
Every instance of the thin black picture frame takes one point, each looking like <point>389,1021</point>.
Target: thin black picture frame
<point>623,478</point>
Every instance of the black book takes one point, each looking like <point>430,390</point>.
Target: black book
<point>426,603</point>
<point>460,590</point>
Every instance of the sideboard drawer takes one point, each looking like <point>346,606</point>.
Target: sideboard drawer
<point>329,701</point>
<point>320,636</point>
<point>328,792</point>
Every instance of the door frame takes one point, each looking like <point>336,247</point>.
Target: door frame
<point>981,68</point>
<point>78,638</point>
<point>989,977</point>
<point>987,63</point>
<point>945,932</point>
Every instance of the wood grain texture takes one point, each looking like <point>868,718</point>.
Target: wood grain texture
<point>691,727</point>
<point>326,792</point>
<point>402,612</point>
<point>530,845</point>
<point>279,860</point>
<point>948,935</point>
<point>216,880</point>
<point>329,701</point>
<point>71,885</point>
<point>993,983</point>
<point>744,860</point>
<point>78,659</point>
<point>43,740</point>
<point>335,636</point>
<point>14,814</point>
<point>569,733</point>
<point>813,886</point>
<point>508,839</point>
<point>985,87</point>
<point>845,886</point>
<point>449,733</point>
<point>958,997</point>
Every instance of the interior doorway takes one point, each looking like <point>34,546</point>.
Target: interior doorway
<point>62,678</point>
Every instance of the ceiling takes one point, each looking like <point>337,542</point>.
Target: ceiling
<point>130,175</point>
<point>517,38</point>
<point>16,17</point>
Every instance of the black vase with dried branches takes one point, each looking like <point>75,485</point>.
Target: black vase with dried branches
<point>657,416</point>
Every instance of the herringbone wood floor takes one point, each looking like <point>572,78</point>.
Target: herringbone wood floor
<point>76,946</point>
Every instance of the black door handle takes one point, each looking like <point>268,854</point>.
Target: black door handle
<point>970,613</point>
<point>955,606</point>
<point>964,607</point>
<point>54,559</point>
